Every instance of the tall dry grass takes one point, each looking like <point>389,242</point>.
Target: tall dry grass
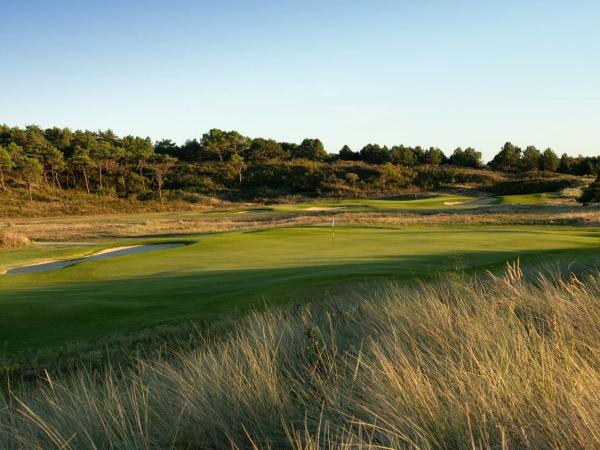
<point>12,239</point>
<point>503,362</point>
<point>169,224</point>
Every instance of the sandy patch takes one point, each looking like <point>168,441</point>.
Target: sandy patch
<point>114,249</point>
<point>322,208</point>
<point>51,265</point>
<point>478,202</point>
<point>454,203</point>
<point>52,261</point>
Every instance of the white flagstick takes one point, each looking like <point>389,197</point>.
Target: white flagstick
<point>333,232</point>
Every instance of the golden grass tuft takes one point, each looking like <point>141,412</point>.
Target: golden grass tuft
<point>12,239</point>
<point>461,363</point>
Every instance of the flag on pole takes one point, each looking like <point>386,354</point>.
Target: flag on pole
<point>333,232</point>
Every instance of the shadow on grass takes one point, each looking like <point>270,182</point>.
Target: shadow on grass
<point>47,316</point>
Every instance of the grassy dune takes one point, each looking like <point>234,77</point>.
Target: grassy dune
<point>458,363</point>
<point>58,204</point>
<point>48,202</point>
<point>420,202</point>
<point>436,201</point>
<point>525,199</point>
<point>224,274</point>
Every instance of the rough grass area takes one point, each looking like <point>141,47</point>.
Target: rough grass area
<point>113,226</point>
<point>460,363</point>
<point>49,202</point>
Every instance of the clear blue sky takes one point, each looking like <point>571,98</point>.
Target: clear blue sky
<point>441,73</point>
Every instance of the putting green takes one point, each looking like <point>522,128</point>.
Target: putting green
<point>224,273</point>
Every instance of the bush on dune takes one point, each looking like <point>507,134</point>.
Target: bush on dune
<point>461,363</point>
<point>591,194</point>
<point>526,186</point>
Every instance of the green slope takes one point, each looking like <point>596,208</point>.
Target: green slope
<point>226,273</point>
<point>525,199</point>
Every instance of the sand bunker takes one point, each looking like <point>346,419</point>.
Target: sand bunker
<point>478,202</point>
<point>48,266</point>
<point>322,208</point>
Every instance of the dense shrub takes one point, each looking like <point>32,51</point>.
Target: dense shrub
<point>530,186</point>
<point>431,177</point>
<point>591,194</point>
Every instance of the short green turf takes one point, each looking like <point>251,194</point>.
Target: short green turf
<point>226,273</point>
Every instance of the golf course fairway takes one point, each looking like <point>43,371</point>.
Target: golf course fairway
<point>226,273</point>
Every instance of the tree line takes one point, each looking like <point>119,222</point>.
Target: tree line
<point>70,159</point>
<point>102,162</point>
<point>217,145</point>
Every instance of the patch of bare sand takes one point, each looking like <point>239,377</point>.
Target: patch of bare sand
<point>114,249</point>
<point>323,208</point>
<point>478,202</point>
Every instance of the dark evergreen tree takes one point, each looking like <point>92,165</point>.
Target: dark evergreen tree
<point>530,159</point>
<point>264,150</point>
<point>312,149</point>
<point>346,154</point>
<point>564,166</point>
<point>549,160</point>
<point>468,157</point>
<point>404,156</point>
<point>375,154</point>
<point>508,159</point>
